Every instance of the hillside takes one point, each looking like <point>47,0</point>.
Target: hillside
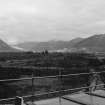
<point>4,47</point>
<point>95,43</point>
<point>49,45</point>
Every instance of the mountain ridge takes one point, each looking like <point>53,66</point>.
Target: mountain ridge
<point>95,43</point>
<point>49,45</point>
<point>4,47</point>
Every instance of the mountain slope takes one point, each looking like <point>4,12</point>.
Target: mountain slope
<point>95,43</point>
<point>50,45</point>
<point>6,48</point>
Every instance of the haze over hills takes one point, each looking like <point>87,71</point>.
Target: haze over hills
<point>49,45</point>
<point>94,43</point>
<point>4,47</point>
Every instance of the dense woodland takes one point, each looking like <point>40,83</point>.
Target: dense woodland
<point>26,64</point>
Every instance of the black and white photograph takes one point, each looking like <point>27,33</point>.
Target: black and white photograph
<point>52,52</point>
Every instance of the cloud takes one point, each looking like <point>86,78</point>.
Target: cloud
<point>40,20</point>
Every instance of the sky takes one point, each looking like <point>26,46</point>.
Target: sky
<point>42,20</point>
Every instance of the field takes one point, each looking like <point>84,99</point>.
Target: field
<point>28,64</point>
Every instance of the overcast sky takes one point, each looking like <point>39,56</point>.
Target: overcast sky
<point>41,20</point>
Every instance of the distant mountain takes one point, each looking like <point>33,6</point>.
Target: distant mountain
<point>49,45</point>
<point>4,47</point>
<point>95,43</point>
